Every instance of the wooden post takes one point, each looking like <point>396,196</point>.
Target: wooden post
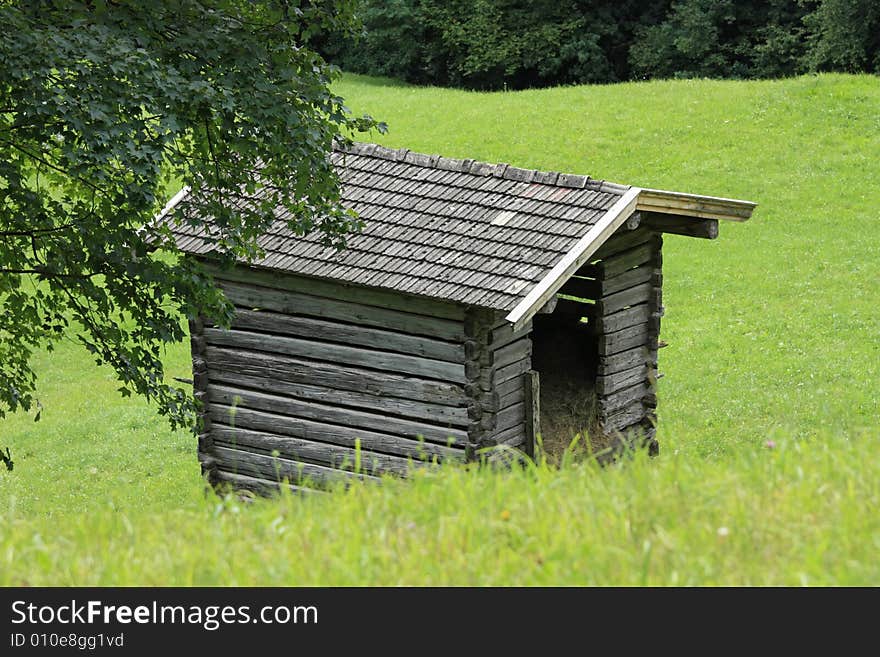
<point>532,387</point>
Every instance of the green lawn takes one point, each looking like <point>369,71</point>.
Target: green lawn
<point>773,331</point>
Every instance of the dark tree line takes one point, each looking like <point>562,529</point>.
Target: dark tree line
<point>491,44</point>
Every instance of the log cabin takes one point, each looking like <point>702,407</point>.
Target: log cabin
<point>482,305</point>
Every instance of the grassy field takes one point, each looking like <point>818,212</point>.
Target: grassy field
<point>774,335</point>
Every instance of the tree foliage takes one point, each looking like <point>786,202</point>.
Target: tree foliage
<point>491,44</point>
<point>104,107</point>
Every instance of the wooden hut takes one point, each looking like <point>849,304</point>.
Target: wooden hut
<point>476,295</point>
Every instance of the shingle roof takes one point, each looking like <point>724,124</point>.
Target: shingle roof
<point>471,232</point>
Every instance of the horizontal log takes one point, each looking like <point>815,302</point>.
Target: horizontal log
<point>622,361</point>
<point>606,385</point>
<point>406,408</point>
<point>509,386</point>
<point>609,404</point>
<point>510,353</point>
<point>583,288</point>
<point>512,437</point>
<point>612,343</point>
<point>239,397</point>
<point>294,303</point>
<point>342,377</point>
<point>510,399</point>
<point>632,316</point>
<point>622,419</point>
<point>617,301</point>
<point>278,469</point>
<point>512,416</point>
<point>342,291</point>
<point>340,354</point>
<point>307,451</point>
<point>619,263</point>
<point>323,432</point>
<point>628,279</point>
<point>623,240</point>
<point>257,485</point>
<point>504,334</point>
<point>349,334</point>
<point>490,378</point>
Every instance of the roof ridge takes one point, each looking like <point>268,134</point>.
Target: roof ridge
<point>498,170</point>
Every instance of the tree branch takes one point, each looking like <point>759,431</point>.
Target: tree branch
<point>48,274</point>
<point>57,168</point>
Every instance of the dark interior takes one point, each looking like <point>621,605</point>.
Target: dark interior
<point>565,354</point>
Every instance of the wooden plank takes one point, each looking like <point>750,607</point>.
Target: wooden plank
<point>623,418</point>
<point>510,353</point>
<point>294,303</point>
<point>257,485</point>
<point>695,205</point>
<point>608,404</point>
<point>238,397</point>
<point>619,263</point>
<point>504,334</point>
<point>612,343</point>
<point>582,288</point>
<point>627,279</point>
<point>254,363</point>
<point>341,291</point>
<point>606,385</point>
<point>680,225</point>
<point>332,456</point>
<point>576,256</point>
<point>623,361</point>
<point>511,417</point>
<point>513,437</point>
<point>511,398</point>
<point>509,371</point>
<point>680,209</point>
<point>339,354</point>
<point>329,433</point>
<point>407,408</point>
<point>620,320</point>
<point>278,469</point>
<point>532,409</point>
<point>350,334</point>
<point>617,301</point>
<point>623,241</point>
<point>507,387</point>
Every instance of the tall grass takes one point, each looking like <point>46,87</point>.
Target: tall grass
<point>768,472</point>
<point>801,512</point>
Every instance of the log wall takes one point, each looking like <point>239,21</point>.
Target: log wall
<point>507,363</point>
<point>628,273</point>
<point>318,381</point>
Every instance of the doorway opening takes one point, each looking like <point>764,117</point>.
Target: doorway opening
<point>565,354</point>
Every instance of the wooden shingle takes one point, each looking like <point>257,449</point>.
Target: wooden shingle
<point>473,232</point>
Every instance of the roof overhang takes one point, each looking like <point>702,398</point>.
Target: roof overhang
<point>694,205</point>
<point>636,198</point>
